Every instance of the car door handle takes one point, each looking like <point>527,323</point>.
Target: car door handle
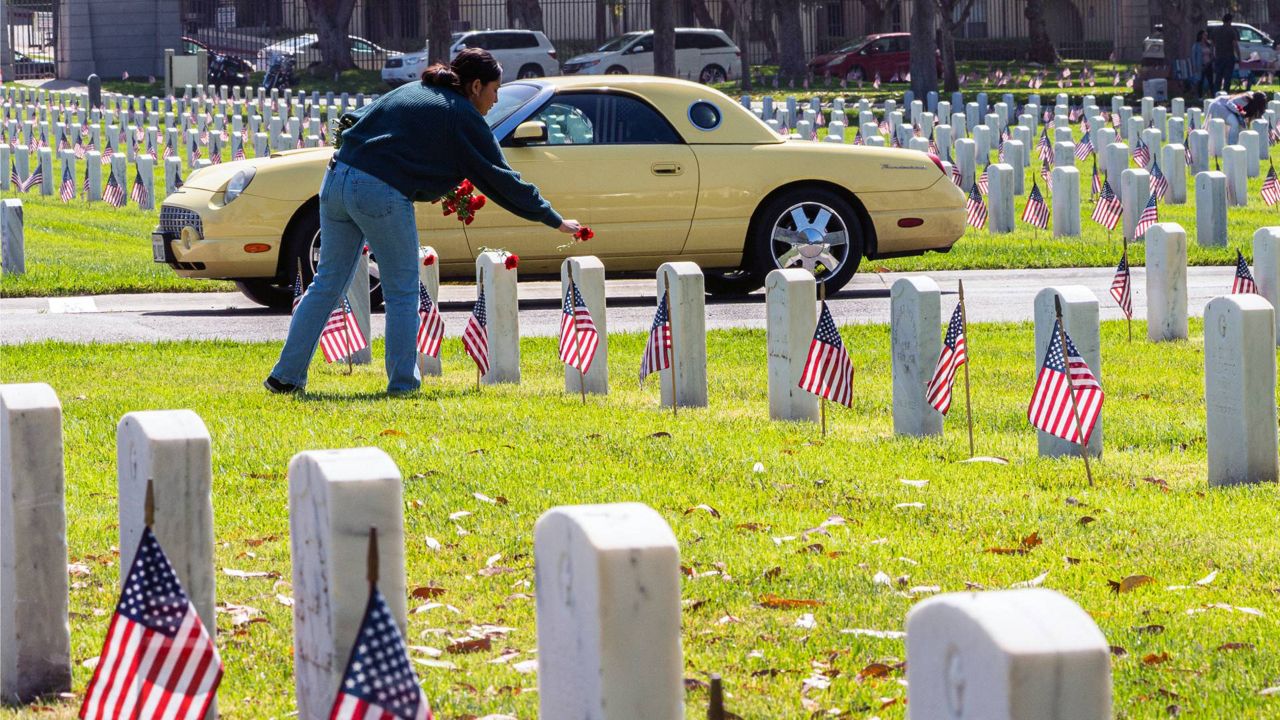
<point>666,168</point>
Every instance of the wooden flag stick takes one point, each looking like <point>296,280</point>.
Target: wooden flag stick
<point>371,564</point>
<point>672,325</point>
<point>149,505</point>
<point>1071,386</point>
<point>822,403</point>
<point>715,709</point>
<point>968,403</point>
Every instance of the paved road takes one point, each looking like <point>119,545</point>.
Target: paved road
<point>993,295</point>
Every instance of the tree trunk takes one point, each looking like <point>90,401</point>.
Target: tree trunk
<point>791,59</point>
<point>736,15</point>
<point>947,46</point>
<point>924,49</point>
<point>876,14</point>
<point>525,14</point>
<point>602,22</point>
<point>1041,50</point>
<point>702,14</point>
<point>439,28</point>
<point>331,19</point>
<point>662,18</point>
<point>1177,26</point>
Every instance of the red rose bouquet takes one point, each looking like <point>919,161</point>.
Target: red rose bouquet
<point>463,200</point>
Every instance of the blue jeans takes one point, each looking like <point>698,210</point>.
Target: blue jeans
<point>355,208</point>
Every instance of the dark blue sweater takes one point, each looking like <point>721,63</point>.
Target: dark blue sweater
<point>424,140</point>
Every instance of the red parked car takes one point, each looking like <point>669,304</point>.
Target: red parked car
<point>887,54</point>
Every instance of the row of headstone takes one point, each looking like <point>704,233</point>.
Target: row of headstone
<point>608,584</point>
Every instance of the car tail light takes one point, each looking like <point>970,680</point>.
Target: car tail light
<point>552,53</point>
<point>938,161</point>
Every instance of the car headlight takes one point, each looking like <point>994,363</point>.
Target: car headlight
<point>237,184</point>
<point>588,63</point>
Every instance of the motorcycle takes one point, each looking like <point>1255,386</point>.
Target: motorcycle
<point>279,72</point>
<point>224,71</point>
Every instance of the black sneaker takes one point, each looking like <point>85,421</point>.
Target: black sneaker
<point>280,388</point>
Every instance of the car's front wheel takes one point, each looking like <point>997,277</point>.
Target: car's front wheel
<point>813,228</point>
<point>616,70</point>
<point>272,293</point>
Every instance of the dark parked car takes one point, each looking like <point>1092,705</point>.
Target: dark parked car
<point>886,55</point>
<point>27,66</point>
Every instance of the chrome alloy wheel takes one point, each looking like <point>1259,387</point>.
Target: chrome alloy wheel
<point>812,236</point>
<point>313,259</point>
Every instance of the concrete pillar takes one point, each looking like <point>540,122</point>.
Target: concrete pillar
<point>1135,191</point>
<point>791,309</point>
<point>915,312</point>
<point>501,307</point>
<point>1006,655</point>
<point>1240,390</point>
<point>1000,217</point>
<point>335,497</point>
<point>1266,266</point>
<point>13,249</point>
<point>1166,282</point>
<point>35,639</point>
<point>588,274</point>
<point>608,604</point>
<point>1080,321</point>
<point>688,334</point>
<point>1211,209</point>
<point>1066,202</point>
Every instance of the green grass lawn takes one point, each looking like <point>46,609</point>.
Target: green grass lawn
<point>76,249</point>
<point>1209,650</point>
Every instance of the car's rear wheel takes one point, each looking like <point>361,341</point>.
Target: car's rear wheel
<point>616,70</point>
<point>531,70</point>
<point>711,74</point>
<point>807,227</point>
<point>857,74</point>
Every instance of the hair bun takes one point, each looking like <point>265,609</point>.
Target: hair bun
<point>441,75</point>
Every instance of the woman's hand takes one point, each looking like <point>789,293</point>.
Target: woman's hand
<point>570,226</point>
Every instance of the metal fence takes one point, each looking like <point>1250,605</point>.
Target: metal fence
<point>31,35</point>
<point>994,29</point>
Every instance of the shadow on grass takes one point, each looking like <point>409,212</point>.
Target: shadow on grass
<point>364,396</point>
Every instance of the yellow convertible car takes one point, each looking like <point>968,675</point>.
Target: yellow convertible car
<point>660,169</point>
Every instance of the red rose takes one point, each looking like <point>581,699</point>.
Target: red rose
<point>512,261</point>
<point>465,187</point>
<point>429,260</point>
<point>476,202</point>
<point>468,220</point>
<point>448,209</point>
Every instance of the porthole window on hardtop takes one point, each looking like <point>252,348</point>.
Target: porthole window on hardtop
<point>704,115</point>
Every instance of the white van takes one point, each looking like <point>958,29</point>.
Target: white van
<point>522,54</point>
<point>705,55</point>
<point>1254,44</point>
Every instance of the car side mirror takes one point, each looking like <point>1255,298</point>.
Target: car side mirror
<point>527,133</point>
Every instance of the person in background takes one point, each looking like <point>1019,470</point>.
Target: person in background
<point>414,144</point>
<point>1202,62</point>
<point>1226,49</point>
<point>1237,111</point>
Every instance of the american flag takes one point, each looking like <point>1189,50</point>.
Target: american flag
<point>828,372</point>
<point>239,152</point>
<point>1150,216</point>
<point>1085,148</point>
<point>1122,286</point>
<point>977,210</point>
<point>933,147</point>
<point>578,336</point>
<point>1096,186</point>
<point>107,152</point>
<point>983,179</point>
<point>13,176</point>
<point>1243,281</point>
<point>657,349</point>
<point>84,187</point>
<point>1036,212</point>
<point>1044,147</point>
<point>158,659</point>
<point>430,324</point>
<point>341,335</point>
<point>1186,146</point>
<point>1046,174</point>
<point>1271,188</point>
<point>138,193</point>
<point>1000,147</point>
<point>1159,183</point>
<point>1106,212</point>
<point>938,391</point>
<point>1051,407</point>
<point>379,682</point>
<point>298,290</point>
<point>67,192</point>
<point>857,137</point>
<point>113,194</point>
<point>957,179</point>
<point>1141,154</point>
<point>475,336</point>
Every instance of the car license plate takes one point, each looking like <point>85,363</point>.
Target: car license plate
<point>158,247</point>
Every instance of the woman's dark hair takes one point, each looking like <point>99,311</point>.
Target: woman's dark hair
<point>471,64</point>
<point>1256,106</point>
<point>1201,35</point>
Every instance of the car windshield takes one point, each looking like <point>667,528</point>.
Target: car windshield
<point>619,42</point>
<point>851,45</point>
<point>511,97</point>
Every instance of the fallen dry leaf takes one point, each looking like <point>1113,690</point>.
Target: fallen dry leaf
<point>394,433</point>
<point>874,670</point>
<point>432,543</point>
<point>773,602</point>
<point>661,434</point>
<point>1207,578</point>
<point>427,592</point>
<point>77,569</point>
<point>459,514</point>
<point>470,645</point>
<point>526,667</point>
<point>1155,659</point>
<point>1129,584</point>
<point>1118,651</point>
<point>1150,629</point>
<point>1235,646</point>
